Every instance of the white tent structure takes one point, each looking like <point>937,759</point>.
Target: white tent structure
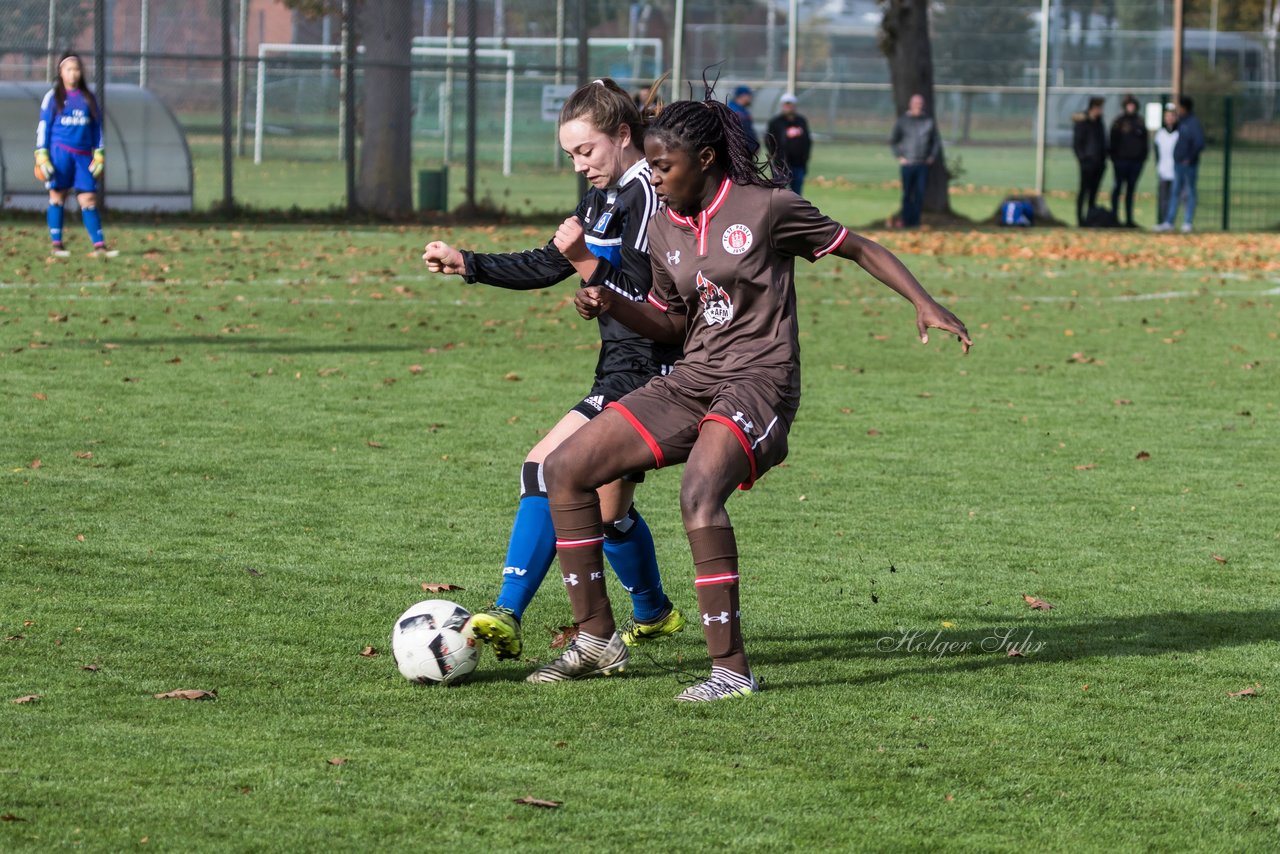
<point>148,162</point>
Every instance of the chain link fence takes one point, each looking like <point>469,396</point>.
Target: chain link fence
<point>286,110</point>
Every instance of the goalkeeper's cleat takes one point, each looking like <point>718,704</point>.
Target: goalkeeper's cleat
<point>500,628</point>
<point>586,656</point>
<point>59,251</point>
<point>97,163</point>
<point>723,685</point>
<point>634,632</point>
<point>100,250</point>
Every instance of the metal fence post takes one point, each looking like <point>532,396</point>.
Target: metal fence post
<point>1228,138</point>
<point>228,162</point>
<point>100,80</point>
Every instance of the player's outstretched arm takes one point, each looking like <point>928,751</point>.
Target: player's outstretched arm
<point>641,317</point>
<point>886,267</point>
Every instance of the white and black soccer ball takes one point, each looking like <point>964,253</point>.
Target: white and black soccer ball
<point>429,646</point>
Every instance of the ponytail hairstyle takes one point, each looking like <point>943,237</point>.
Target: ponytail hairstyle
<point>605,106</point>
<point>695,125</point>
<point>60,89</point>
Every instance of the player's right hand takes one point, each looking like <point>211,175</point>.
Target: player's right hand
<point>591,302</point>
<point>44,166</point>
<point>440,257</point>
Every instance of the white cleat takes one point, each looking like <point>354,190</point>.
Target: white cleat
<point>104,253</point>
<point>577,663</point>
<point>60,253</point>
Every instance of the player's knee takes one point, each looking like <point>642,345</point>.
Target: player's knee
<point>565,471</point>
<point>87,201</point>
<point>698,503</point>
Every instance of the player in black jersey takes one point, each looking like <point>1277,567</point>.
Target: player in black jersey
<point>605,243</point>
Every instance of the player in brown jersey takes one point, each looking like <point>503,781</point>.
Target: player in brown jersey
<point>723,255</point>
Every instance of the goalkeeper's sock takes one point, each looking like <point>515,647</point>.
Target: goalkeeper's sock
<point>93,225</point>
<point>54,217</point>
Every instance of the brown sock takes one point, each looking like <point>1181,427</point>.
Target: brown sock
<point>580,547</point>
<point>715,559</point>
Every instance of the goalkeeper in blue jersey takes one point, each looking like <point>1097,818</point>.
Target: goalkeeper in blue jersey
<point>69,153</point>
<point>604,243</point>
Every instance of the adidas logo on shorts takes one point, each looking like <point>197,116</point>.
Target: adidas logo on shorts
<point>595,401</point>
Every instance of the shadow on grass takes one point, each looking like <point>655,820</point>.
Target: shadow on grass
<point>281,346</point>
<point>1043,641</point>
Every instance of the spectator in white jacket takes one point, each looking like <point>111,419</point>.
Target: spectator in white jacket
<point>1166,139</point>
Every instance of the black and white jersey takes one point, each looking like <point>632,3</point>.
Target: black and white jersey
<point>616,225</point>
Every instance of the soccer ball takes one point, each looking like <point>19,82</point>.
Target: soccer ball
<point>428,644</point>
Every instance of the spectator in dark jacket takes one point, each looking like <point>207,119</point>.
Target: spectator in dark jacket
<point>789,143</point>
<point>1090,143</point>
<point>1129,149</point>
<point>917,145</point>
<point>1186,165</point>
<point>741,106</point>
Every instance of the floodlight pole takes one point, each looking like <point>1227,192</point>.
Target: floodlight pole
<point>242,75</point>
<point>793,58</point>
<point>51,41</point>
<point>677,52</point>
<point>100,79</point>
<point>228,160</point>
<point>1042,97</point>
<point>1179,25</point>
<point>144,43</point>
<point>584,45</point>
<point>348,85</point>
<point>472,71</point>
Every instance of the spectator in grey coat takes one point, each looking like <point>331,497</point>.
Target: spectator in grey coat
<point>917,144</point>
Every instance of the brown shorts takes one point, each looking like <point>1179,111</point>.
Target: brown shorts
<point>669,417</point>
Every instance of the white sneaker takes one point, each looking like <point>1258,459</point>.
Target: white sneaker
<point>577,663</point>
<point>1162,227</point>
<point>102,252</point>
<point>1186,228</point>
<point>59,252</point>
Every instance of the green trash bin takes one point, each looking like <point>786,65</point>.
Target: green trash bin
<point>433,189</point>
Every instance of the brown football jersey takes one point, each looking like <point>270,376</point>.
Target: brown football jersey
<point>731,271</point>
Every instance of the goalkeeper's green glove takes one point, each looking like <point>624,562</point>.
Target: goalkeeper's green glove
<point>97,163</point>
<point>44,164</point>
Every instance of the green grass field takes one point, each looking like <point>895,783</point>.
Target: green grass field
<point>231,456</point>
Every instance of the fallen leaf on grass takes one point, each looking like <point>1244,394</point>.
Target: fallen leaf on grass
<point>1015,653</point>
<point>1122,401</point>
<point>1251,691</point>
<point>35,464</point>
<point>372,444</point>
<point>415,369</point>
<point>873,432</point>
<point>84,455</point>
<point>92,668</point>
<point>1220,558</point>
<point>431,587</point>
<point>132,379</point>
<point>15,637</point>
<point>1143,455</point>
<point>337,760</point>
<point>187,694</point>
<point>1087,467</point>
<point>512,377</point>
<point>30,698</point>
<point>28,623</point>
<point>369,652</point>
<point>560,637</point>
<point>529,800</point>
<point>253,571</point>
<point>40,396</point>
<point>11,817</point>
<point>1036,604</point>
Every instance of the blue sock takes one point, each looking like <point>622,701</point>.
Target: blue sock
<point>92,224</point>
<point>532,546</point>
<point>54,217</point>
<point>628,544</point>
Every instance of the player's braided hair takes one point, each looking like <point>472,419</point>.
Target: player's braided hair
<point>605,105</point>
<point>694,125</point>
